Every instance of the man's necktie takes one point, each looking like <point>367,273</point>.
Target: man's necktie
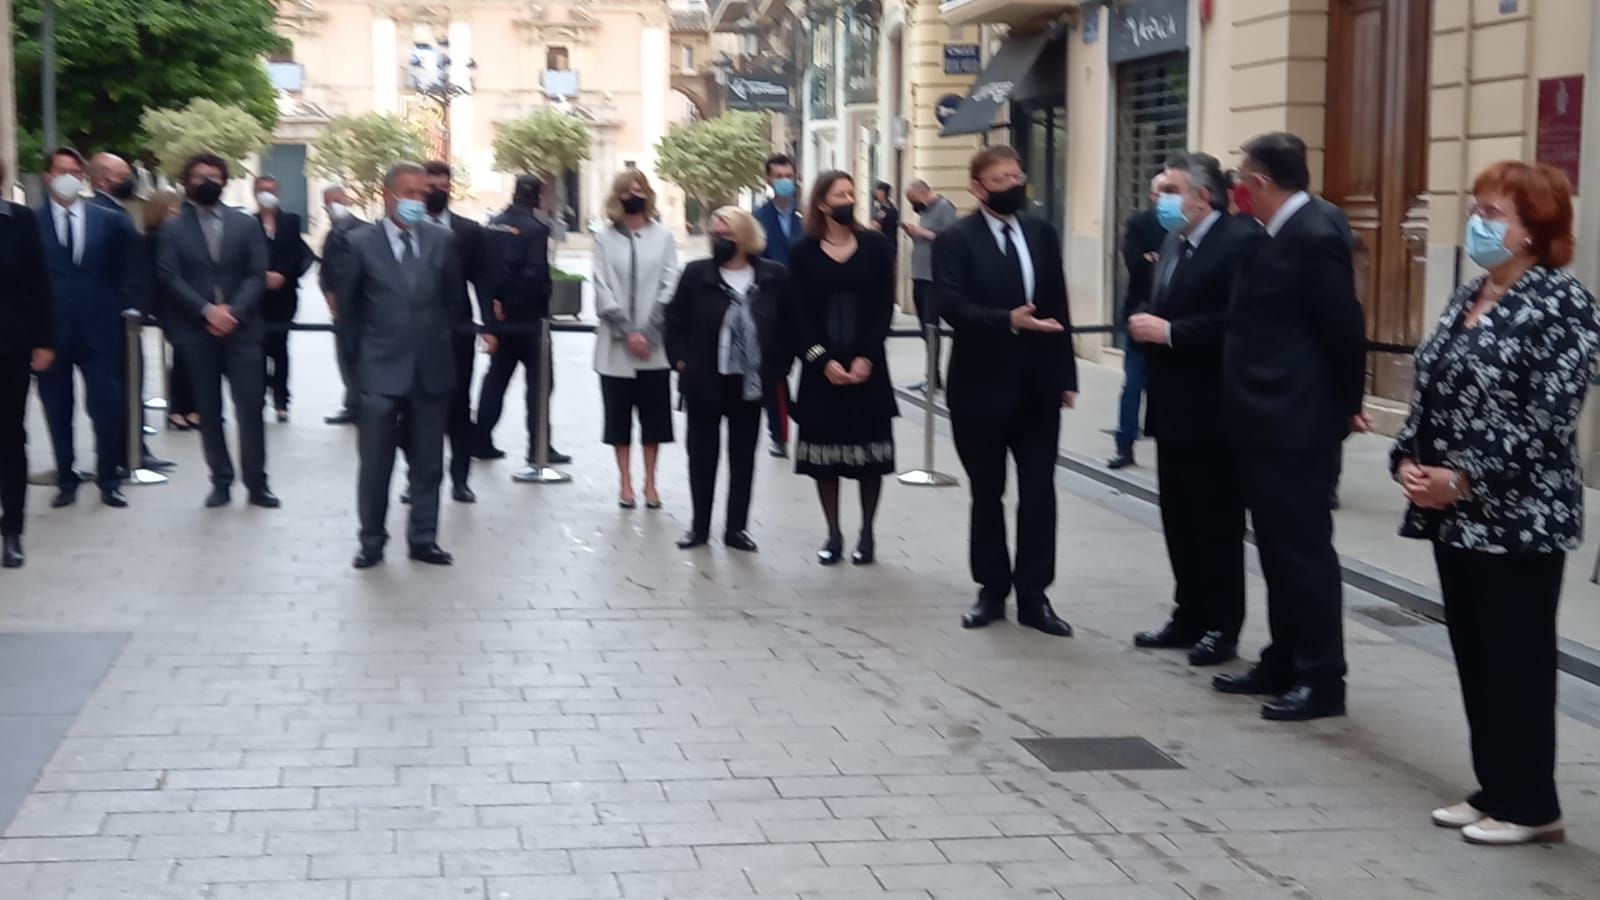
<point>213,230</point>
<point>72,241</point>
<point>409,261</point>
<point>1014,265</point>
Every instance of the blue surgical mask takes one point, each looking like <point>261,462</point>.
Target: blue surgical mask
<point>1486,242</point>
<point>1169,211</point>
<point>783,187</point>
<point>411,212</point>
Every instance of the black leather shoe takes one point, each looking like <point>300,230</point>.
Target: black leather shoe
<point>366,559</point>
<point>778,450</point>
<point>1122,460</point>
<point>984,613</point>
<point>1304,702</point>
<point>1167,637</point>
<point>1253,681</point>
<point>65,497</point>
<point>740,540</point>
<point>1213,649</point>
<point>342,417</point>
<point>490,452</point>
<point>1040,616</point>
<point>866,551</point>
<point>432,554</point>
<point>692,539</point>
<point>219,496</point>
<point>555,458</point>
<point>265,499</point>
<point>463,494</point>
<point>113,498</point>
<point>157,464</point>
<point>11,556</point>
<point>405,497</point>
<point>832,551</point>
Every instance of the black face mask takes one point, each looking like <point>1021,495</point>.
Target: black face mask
<point>633,204</point>
<point>844,213</point>
<point>122,190</point>
<point>723,250</point>
<point>919,208</point>
<point>438,201</point>
<point>1010,201</point>
<point>206,193</point>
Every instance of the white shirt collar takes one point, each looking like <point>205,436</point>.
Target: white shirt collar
<point>1199,233</point>
<point>74,206</point>
<point>997,224</point>
<point>1290,206</point>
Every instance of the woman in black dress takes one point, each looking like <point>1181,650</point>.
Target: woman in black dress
<point>842,282</point>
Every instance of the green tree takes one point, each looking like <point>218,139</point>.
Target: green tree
<point>117,58</point>
<point>713,159</point>
<point>546,142</point>
<point>204,126</point>
<point>357,151</point>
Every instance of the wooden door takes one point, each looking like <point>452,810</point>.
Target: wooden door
<point>1376,166</point>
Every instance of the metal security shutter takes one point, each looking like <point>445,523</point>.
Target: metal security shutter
<point>1152,127</point>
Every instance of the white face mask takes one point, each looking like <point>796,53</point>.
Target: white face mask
<point>66,187</point>
<point>338,212</point>
<point>267,200</point>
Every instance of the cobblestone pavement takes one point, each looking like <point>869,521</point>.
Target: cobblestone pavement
<point>578,710</point>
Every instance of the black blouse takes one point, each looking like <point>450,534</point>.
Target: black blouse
<point>1500,402</point>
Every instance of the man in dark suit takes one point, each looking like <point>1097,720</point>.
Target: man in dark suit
<point>212,265</point>
<point>999,282</point>
<point>1294,372</point>
<point>1179,329</point>
<point>515,292</point>
<point>400,296</point>
<point>470,249</point>
<point>288,258</point>
<point>784,226</point>
<point>27,342</point>
<point>89,253</point>
<point>1141,243</point>
<point>334,248</point>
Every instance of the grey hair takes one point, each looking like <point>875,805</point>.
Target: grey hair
<point>1205,171</point>
<point>332,189</point>
<point>917,184</point>
<point>404,167</point>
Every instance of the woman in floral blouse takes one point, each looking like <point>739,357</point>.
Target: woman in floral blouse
<point>1489,462</point>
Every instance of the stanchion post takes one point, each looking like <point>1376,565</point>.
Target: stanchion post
<point>928,476</point>
<point>541,472</point>
<point>132,322</point>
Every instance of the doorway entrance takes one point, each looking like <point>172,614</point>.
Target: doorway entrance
<point>1377,166</point>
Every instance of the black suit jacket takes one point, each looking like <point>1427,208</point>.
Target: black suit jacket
<point>470,247</point>
<point>191,280</point>
<point>1294,352</point>
<point>27,320</point>
<point>398,329</point>
<point>1183,399</point>
<point>694,326</point>
<point>515,267</point>
<point>1144,234</point>
<point>993,371</point>
<point>288,255</point>
<point>334,250</point>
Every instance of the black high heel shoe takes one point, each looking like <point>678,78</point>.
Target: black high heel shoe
<point>832,551</point>
<point>866,551</point>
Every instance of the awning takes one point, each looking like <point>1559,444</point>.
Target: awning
<point>1006,73</point>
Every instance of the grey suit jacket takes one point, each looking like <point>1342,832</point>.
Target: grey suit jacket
<point>193,281</point>
<point>396,329</point>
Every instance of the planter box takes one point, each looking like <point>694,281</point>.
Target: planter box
<point>566,298</point>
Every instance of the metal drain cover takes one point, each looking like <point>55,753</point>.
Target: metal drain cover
<point>1097,754</point>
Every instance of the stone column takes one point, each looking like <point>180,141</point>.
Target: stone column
<point>385,67</point>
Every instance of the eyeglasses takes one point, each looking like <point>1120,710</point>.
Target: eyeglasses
<point>1493,213</point>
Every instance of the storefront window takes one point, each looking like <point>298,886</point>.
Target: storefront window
<point>1152,127</point>
<point>824,47</point>
<point>1039,132</point>
<point>861,57</point>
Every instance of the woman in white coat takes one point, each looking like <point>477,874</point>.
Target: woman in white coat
<point>635,273</point>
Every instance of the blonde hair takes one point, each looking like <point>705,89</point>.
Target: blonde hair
<point>158,208</point>
<point>621,186</point>
<point>747,233</point>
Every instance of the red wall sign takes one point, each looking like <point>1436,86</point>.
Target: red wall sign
<point>1561,124</point>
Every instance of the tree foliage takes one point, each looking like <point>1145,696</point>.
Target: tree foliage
<point>357,151</point>
<point>547,142</point>
<point>115,59</point>
<point>713,159</point>
<point>204,126</point>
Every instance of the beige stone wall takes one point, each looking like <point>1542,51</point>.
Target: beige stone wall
<point>942,162</point>
<point>1090,249</point>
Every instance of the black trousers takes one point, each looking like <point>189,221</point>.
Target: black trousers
<point>1287,494</point>
<point>1030,437</point>
<point>14,378</point>
<point>105,395</point>
<point>347,374</point>
<point>418,422</point>
<point>209,361</point>
<point>1501,612</point>
<point>704,430</point>
<point>462,435</point>
<point>275,363</point>
<point>180,386</point>
<point>514,349</point>
<point>1202,518</point>
<point>928,314</point>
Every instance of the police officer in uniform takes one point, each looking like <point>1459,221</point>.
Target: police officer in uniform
<point>518,282</point>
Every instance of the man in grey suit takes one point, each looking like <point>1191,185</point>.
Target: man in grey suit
<point>212,262</point>
<point>400,294</point>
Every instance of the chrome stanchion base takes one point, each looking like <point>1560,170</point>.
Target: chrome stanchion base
<point>928,478</point>
<point>144,476</point>
<point>541,475</point>
<point>149,430</point>
<point>155,403</point>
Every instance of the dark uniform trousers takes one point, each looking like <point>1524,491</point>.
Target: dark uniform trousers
<point>14,375</point>
<point>1030,436</point>
<point>462,434</point>
<point>517,347</point>
<point>1202,518</point>
<point>417,422</point>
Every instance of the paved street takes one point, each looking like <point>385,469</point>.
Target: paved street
<point>578,710</point>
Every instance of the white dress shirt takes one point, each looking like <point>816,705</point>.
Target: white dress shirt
<point>1189,244</point>
<point>396,243</point>
<point>998,226</point>
<point>74,214</point>
<point>1289,208</point>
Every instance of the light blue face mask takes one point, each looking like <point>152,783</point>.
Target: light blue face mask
<point>1486,242</point>
<point>1169,211</point>
<point>411,212</point>
<point>783,188</point>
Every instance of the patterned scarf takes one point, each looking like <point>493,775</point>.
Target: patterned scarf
<point>743,344</point>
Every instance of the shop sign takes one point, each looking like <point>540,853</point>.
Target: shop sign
<point>962,59</point>
<point>756,93</point>
<point>1147,28</point>
<point>1560,134</point>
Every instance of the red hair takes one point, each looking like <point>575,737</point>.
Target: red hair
<point>1543,197</point>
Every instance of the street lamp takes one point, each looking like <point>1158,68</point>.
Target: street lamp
<point>431,77</point>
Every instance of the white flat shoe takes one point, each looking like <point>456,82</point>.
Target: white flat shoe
<point>1496,833</point>
<point>1459,816</point>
